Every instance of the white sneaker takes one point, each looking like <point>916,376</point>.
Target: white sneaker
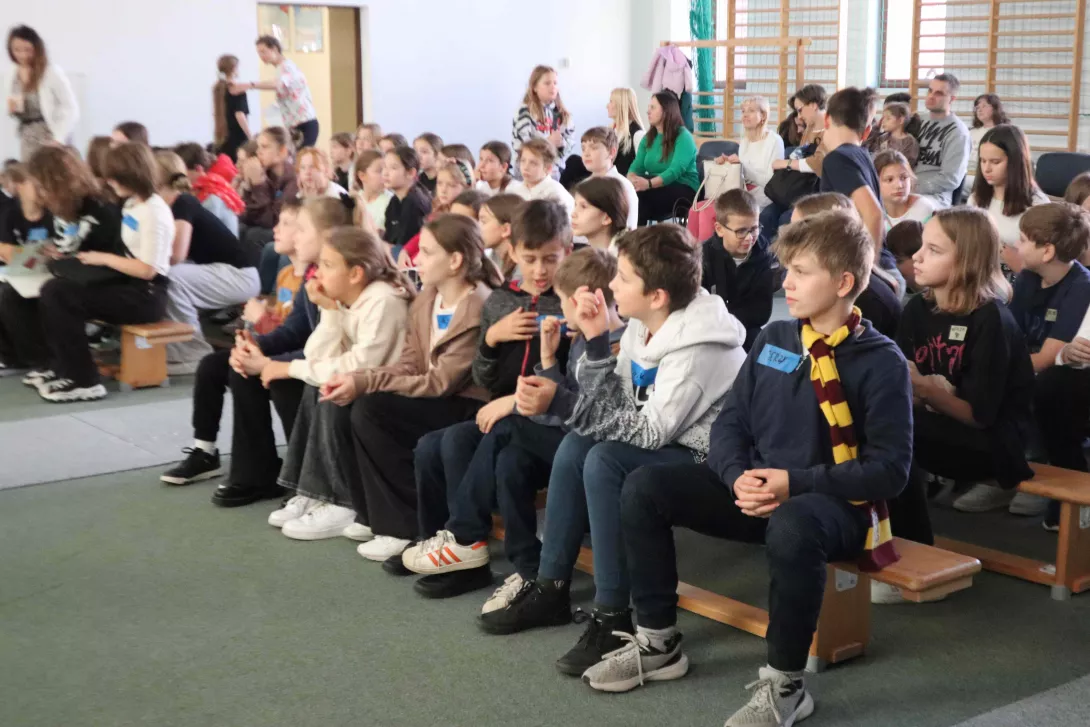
<point>63,390</point>
<point>984,498</point>
<point>502,596</point>
<point>776,702</point>
<point>355,531</point>
<point>324,520</point>
<point>382,548</point>
<point>1028,505</point>
<point>294,508</point>
<point>442,554</point>
<point>636,663</point>
<point>35,378</point>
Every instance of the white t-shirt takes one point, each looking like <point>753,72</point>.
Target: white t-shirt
<point>921,210</point>
<point>1009,234</point>
<point>147,229</point>
<point>377,207</point>
<point>757,158</point>
<point>630,194</point>
<point>548,188</point>
<point>332,190</point>
<point>485,188</point>
<point>441,316</point>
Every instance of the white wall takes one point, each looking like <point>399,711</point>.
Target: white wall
<point>455,67</point>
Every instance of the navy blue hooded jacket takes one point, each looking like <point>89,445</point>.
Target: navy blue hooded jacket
<point>286,342</point>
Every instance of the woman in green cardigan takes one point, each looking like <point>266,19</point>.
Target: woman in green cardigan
<point>664,171</point>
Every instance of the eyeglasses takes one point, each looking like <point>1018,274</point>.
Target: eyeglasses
<point>745,232</point>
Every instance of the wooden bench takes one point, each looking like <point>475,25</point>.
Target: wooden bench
<point>1070,573</point>
<point>924,573</point>
<point>144,353</point>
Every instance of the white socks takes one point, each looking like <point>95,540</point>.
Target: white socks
<point>204,446</point>
<point>658,637</point>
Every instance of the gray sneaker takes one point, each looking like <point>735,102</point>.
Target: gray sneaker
<point>637,662</point>
<point>776,702</point>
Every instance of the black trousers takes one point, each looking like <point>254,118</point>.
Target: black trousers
<point>801,536</point>
<point>21,338</point>
<point>254,461</point>
<point>385,429</point>
<point>209,390</point>
<point>307,133</point>
<point>1061,407</point>
<point>663,203</point>
<point>64,307</point>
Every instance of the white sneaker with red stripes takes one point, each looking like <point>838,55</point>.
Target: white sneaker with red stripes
<point>443,554</point>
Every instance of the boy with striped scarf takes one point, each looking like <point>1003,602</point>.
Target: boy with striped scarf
<point>814,437</point>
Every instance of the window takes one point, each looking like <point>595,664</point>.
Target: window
<point>719,14</point>
<point>895,60</point>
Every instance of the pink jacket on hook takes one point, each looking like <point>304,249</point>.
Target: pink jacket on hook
<point>669,70</point>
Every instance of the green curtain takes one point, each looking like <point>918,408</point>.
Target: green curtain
<point>702,27</point>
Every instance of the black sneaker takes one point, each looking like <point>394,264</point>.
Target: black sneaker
<point>396,567</point>
<point>198,465</point>
<point>538,603</point>
<point>597,640</point>
<point>236,495</point>
<point>38,377</point>
<point>454,583</point>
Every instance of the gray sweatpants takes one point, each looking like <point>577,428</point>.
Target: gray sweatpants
<point>194,288</point>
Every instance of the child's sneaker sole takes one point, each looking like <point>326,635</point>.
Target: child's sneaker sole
<point>674,670</point>
<point>199,478</point>
<point>506,629</point>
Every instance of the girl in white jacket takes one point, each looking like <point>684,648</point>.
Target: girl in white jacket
<point>364,301</point>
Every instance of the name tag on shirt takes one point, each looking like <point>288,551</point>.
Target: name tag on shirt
<point>780,359</point>
<point>443,320</point>
<point>130,222</point>
<point>957,333</point>
<point>283,295</point>
<point>642,377</point>
<point>37,234</point>
<point>71,229</point>
<point>1050,315</point>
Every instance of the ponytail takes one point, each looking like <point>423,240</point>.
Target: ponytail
<point>226,66</point>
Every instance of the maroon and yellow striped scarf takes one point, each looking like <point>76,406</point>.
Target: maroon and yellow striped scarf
<point>878,551</point>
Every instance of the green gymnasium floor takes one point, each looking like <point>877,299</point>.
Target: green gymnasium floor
<point>124,602</point>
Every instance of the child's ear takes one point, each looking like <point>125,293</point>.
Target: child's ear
<point>505,230</point>
<point>845,285</point>
<point>1049,253</point>
<point>456,260</point>
<point>660,299</point>
<point>719,229</point>
<point>356,274</point>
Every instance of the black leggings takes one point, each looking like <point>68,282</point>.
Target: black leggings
<point>664,203</point>
<point>308,131</point>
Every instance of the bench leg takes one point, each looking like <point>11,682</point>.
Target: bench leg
<point>844,624</point>
<point>142,363</point>
<point>1072,553</point>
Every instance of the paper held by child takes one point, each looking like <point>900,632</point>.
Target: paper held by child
<point>26,272</point>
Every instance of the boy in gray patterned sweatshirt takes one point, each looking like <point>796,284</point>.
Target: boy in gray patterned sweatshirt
<point>652,403</point>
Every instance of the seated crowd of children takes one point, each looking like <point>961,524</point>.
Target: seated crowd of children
<point>442,342</point>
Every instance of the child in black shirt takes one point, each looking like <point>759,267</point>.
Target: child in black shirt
<point>410,205</point>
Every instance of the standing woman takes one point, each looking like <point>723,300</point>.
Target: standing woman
<point>664,171</point>
<point>231,109</point>
<point>624,111</point>
<point>40,99</point>
<point>292,92</point>
<point>543,114</point>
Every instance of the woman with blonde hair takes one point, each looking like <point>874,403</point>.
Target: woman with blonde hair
<point>542,114</point>
<point>624,111</point>
<point>758,148</point>
<point>230,110</point>
<point>209,268</point>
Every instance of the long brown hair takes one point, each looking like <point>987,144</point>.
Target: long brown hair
<point>457,234</point>
<point>65,180</point>
<point>671,123</point>
<point>502,152</point>
<point>505,208</point>
<point>537,109</point>
<point>96,155</point>
<point>226,65</point>
<point>40,61</point>
<point>1019,189</point>
<point>362,248</point>
<point>977,277</point>
<point>999,114</point>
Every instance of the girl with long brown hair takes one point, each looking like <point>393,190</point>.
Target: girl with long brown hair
<point>39,97</point>
<point>494,168</point>
<point>428,389</point>
<point>543,115</point>
<point>229,110</point>
<point>971,372</point>
<point>365,311</point>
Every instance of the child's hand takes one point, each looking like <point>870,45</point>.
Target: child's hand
<point>493,411</point>
<point>94,257</point>
<point>534,394</point>
<point>761,491</point>
<point>254,310</point>
<point>592,313</point>
<point>247,360</point>
<point>253,172</point>
<point>274,371</point>
<point>404,261</point>
<point>556,139</point>
<point>318,297</point>
<point>1013,259</point>
<point>550,341</point>
<point>518,325</point>
<point>340,389</point>
<point>1077,352</point>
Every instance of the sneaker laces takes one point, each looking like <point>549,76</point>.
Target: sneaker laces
<point>763,700</point>
<point>436,542</point>
<point>56,384</point>
<point>510,588</point>
<point>592,633</point>
<point>637,645</point>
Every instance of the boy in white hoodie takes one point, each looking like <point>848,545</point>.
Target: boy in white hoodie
<point>536,161</point>
<point>651,404</point>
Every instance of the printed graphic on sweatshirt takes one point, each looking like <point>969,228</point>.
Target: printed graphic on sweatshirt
<point>940,355</point>
<point>643,383</point>
<point>70,235</point>
<point>932,139</point>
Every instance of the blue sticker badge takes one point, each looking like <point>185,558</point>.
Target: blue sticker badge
<point>283,295</point>
<point>37,234</point>
<point>443,320</point>
<point>130,222</point>
<point>71,229</point>
<point>642,377</point>
<point>780,359</point>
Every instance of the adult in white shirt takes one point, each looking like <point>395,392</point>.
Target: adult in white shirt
<point>40,100</point>
<point>758,148</point>
<point>536,159</point>
<point>599,148</point>
<point>1005,188</point>
<point>899,203</point>
<point>292,91</point>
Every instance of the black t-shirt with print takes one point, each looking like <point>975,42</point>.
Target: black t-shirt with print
<point>97,227</point>
<point>16,229</point>
<point>405,217</point>
<point>211,241</point>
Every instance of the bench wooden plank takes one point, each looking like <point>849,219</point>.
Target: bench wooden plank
<point>161,331</point>
<point>997,561</point>
<point>144,355</point>
<point>1057,483</point>
<point>922,568</point>
<point>1072,552</point>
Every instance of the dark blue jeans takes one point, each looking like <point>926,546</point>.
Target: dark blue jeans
<point>772,218</point>
<point>585,486</point>
<point>801,536</point>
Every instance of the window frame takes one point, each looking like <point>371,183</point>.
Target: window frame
<point>716,83</point>
<point>883,80</point>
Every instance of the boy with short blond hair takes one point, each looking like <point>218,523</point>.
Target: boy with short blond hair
<point>814,437</point>
<point>537,157</point>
